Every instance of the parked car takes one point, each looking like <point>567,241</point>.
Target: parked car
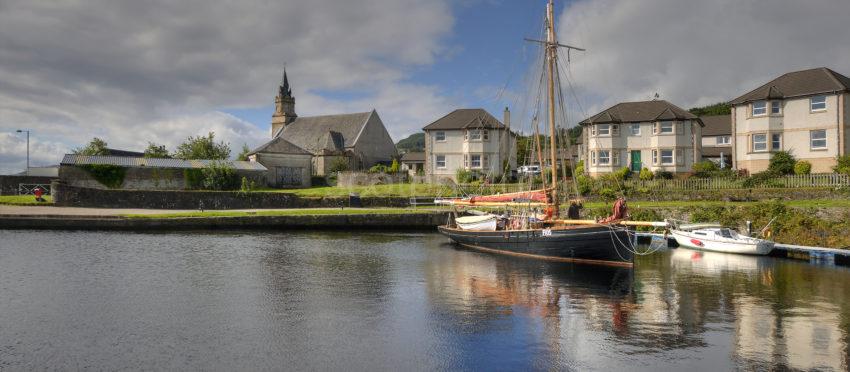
<point>529,170</point>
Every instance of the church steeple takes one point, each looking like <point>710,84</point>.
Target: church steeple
<point>284,105</point>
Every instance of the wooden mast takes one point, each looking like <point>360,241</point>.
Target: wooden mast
<point>551,53</point>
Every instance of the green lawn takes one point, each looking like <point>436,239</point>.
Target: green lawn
<point>814,203</point>
<point>402,189</point>
<point>24,200</point>
<point>286,212</point>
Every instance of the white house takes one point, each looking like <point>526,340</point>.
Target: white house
<point>803,112</point>
<point>656,134</point>
<point>469,139</point>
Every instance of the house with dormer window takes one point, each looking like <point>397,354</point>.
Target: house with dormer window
<point>469,139</point>
<point>656,134</point>
<point>802,112</point>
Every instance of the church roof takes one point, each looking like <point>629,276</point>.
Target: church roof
<point>321,133</point>
<point>466,118</point>
<point>280,146</point>
<point>629,112</point>
<point>796,84</point>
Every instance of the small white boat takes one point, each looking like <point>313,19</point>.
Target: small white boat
<point>712,237</point>
<point>477,223</point>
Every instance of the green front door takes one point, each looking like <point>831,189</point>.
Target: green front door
<point>636,164</point>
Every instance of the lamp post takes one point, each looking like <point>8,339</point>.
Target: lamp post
<point>28,148</point>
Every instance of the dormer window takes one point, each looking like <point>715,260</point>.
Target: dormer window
<point>440,136</point>
<point>603,130</point>
<point>477,135</point>
<point>759,108</point>
<point>666,127</point>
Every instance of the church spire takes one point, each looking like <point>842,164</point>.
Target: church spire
<point>285,90</point>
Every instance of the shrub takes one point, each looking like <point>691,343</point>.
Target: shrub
<point>607,194</point>
<point>842,165</point>
<point>622,174</point>
<point>760,178</point>
<point>194,178</point>
<point>782,163</point>
<point>663,175</point>
<point>111,176</point>
<point>463,175</point>
<point>394,167</point>
<point>646,174</point>
<point>705,169</point>
<point>802,167</point>
<point>220,176</point>
<point>246,186</point>
<point>580,168</point>
<point>585,184</point>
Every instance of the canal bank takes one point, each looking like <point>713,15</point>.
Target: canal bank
<point>350,219</point>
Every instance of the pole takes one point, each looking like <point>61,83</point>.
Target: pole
<point>551,53</point>
<point>28,153</point>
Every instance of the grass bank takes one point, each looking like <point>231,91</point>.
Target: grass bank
<point>24,200</point>
<point>401,189</point>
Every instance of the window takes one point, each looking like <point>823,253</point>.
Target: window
<point>615,157</point>
<point>776,141</point>
<point>476,161</point>
<point>486,161</point>
<point>634,129</point>
<point>593,157</point>
<point>441,162</point>
<point>475,135</point>
<point>775,107</point>
<point>604,157</point>
<point>603,130</point>
<point>666,157</point>
<point>818,103</point>
<point>466,161</point>
<point>680,157</point>
<point>759,108</point>
<point>593,130</point>
<point>817,138</point>
<point>654,156</point>
<point>759,142</point>
<point>615,129</point>
<point>440,136</point>
<point>486,135</point>
<point>666,127</point>
<point>723,140</point>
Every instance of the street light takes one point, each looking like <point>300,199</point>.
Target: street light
<point>28,148</point>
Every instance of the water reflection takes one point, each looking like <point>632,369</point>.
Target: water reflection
<point>372,301</point>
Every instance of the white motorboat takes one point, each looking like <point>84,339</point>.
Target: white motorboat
<point>477,223</point>
<point>712,237</point>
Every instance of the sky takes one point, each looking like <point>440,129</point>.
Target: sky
<point>133,72</point>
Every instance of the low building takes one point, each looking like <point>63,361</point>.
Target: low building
<point>289,166</point>
<point>656,134</point>
<point>148,173</point>
<point>337,142</point>
<point>717,139</point>
<point>469,139</point>
<point>413,163</point>
<point>802,112</point>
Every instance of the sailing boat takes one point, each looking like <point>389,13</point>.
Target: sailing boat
<point>543,236</point>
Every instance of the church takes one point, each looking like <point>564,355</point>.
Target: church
<point>354,141</point>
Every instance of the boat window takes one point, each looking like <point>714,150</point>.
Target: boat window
<point>699,233</point>
<point>725,233</point>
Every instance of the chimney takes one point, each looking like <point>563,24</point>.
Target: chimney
<point>507,118</point>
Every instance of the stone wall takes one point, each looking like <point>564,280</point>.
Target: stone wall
<point>144,178</point>
<point>9,184</point>
<point>346,179</point>
<point>72,196</point>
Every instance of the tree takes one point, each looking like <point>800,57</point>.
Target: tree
<point>842,165</point>
<point>156,151</point>
<point>720,108</point>
<point>97,146</point>
<point>243,155</point>
<point>413,143</point>
<point>782,163</point>
<point>202,147</point>
<point>220,176</point>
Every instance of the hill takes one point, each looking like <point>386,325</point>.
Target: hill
<point>413,143</point>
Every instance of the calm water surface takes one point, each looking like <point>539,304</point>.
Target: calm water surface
<point>368,301</point>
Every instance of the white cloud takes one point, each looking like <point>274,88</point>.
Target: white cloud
<point>698,52</point>
<point>132,72</point>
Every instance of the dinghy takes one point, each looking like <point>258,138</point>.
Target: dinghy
<point>477,223</point>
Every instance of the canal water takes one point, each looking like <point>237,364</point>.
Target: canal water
<point>401,301</point>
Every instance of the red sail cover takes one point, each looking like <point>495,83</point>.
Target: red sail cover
<point>519,197</point>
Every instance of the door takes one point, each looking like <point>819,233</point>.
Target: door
<point>289,176</point>
<point>636,164</point>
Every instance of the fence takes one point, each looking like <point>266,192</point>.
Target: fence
<point>831,180</point>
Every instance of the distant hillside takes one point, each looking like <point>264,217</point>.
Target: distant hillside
<point>721,108</point>
<point>413,143</point>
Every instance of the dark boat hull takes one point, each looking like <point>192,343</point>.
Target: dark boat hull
<point>589,244</point>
